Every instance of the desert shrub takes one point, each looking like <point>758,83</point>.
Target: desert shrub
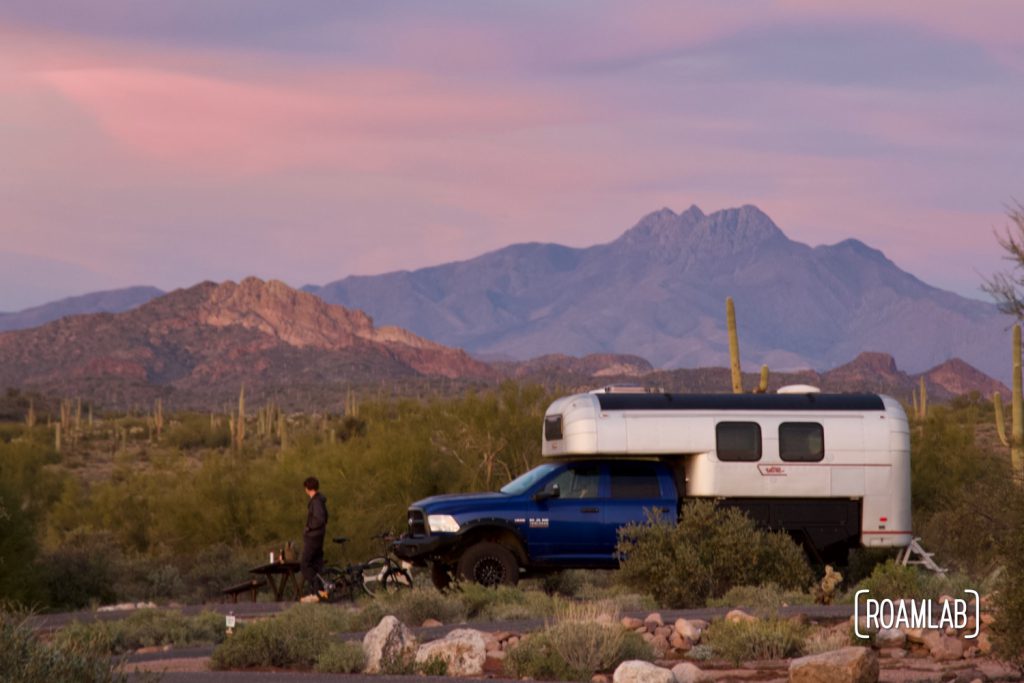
<point>763,600</point>
<point>82,570</point>
<point>575,651</point>
<point>293,639</point>
<point>434,666</point>
<point>568,583</point>
<point>709,551</point>
<point>892,580</point>
<point>826,640</point>
<point>26,659</point>
<point>147,628</point>
<point>342,658</point>
<point>1008,597</point>
<point>189,431</point>
<point>419,604</point>
<point>762,639</point>
<point>504,603</point>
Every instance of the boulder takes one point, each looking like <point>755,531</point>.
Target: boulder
<point>653,621</point>
<point>464,650</point>
<point>738,615</point>
<point>663,631</point>
<point>390,640</point>
<point>847,665</point>
<point>983,643</point>
<point>686,672</point>
<point>660,645</point>
<point>680,642</point>
<point>636,671</point>
<point>890,637</point>
<point>687,629</point>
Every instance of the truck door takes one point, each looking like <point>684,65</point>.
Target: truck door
<point>566,529</point>
<point>635,491</point>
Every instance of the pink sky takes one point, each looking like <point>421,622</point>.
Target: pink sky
<point>150,144</point>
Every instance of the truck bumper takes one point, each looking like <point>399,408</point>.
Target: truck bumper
<point>422,548</point>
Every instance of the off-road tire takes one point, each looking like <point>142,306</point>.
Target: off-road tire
<point>489,564</point>
<point>440,576</point>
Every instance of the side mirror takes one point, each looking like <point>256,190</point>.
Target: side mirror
<point>547,493</point>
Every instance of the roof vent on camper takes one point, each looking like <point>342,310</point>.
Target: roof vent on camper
<point>627,389</point>
<point>799,389</point>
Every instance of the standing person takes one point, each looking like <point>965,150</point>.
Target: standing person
<point>312,562</point>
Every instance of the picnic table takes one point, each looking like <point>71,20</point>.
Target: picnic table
<point>278,575</point>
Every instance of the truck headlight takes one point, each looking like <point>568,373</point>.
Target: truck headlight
<point>444,523</point>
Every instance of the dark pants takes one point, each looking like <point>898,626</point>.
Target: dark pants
<point>312,561</point>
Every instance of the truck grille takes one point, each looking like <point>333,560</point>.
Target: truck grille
<point>417,523</point>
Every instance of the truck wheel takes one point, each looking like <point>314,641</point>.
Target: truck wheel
<point>489,564</point>
<point>440,576</point>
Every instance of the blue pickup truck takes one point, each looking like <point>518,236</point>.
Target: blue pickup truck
<point>559,515</point>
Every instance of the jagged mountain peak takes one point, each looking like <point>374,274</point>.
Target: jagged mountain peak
<point>733,229</point>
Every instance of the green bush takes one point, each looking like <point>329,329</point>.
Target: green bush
<point>82,570</point>
<point>893,580</point>
<point>26,659</point>
<point>755,640</point>
<point>709,551</point>
<point>503,603</point>
<point>764,600</point>
<point>415,606</point>
<point>575,651</point>
<point>1008,598</point>
<point>293,639</point>
<point>147,628</point>
<point>342,658</point>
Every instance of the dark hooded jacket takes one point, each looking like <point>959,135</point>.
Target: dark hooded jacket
<point>316,517</point>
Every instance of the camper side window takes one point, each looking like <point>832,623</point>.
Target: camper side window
<point>738,441</point>
<point>801,441</point>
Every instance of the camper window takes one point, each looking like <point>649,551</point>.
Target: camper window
<point>801,441</point>
<point>738,441</point>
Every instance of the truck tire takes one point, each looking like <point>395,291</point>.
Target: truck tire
<point>489,564</point>
<point>440,576</point>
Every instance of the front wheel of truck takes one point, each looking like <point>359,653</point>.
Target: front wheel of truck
<point>489,564</point>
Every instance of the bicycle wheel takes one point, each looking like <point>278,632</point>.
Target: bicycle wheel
<point>396,578</point>
<point>373,572</point>
<point>335,584</point>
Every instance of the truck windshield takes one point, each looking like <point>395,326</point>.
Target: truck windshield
<point>525,482</point>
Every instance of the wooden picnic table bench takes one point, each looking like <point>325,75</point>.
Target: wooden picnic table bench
<point>253,585</point>
<point>279,575</point>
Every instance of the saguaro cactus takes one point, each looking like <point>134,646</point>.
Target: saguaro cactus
<point>920,397</point>
<point>1015,442</point>
<point>762,386</point>
<point>734,346</point>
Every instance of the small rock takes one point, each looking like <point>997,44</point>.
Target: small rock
<point>916,635</point>
<point>892,653</point>
<point>660,645</point>
<point>738,615</point>
<point>648,637</point>
<point>655,618</point>
<point>512,642</point>
<point>632,623</point>
<point>464,649</point>
<point>685,672</point>
<point>599,678</point>
<point>987,618</point>
<point>636,671</point>
<point>687,629</point>
<point>432,623</point>
<point>983,643</point>
<point>847,665</point>
<point>663,631</point>
<point>492,645</point>
<point>680,642</point>
<point>943,648</point>
<point>890,637</point>
<point>389,639</point>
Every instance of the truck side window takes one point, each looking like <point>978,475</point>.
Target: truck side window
<point>579,481</point>
<point>738,441</point>
<point>801,441</point>
<point>639,480</point>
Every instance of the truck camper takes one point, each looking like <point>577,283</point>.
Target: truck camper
<point>833,470</point>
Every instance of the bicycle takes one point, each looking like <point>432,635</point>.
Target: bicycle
<point>365,578</point>
<point>386,572</point>
<point>337,583</point>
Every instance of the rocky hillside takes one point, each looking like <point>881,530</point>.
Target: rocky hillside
<point>197,346</point>
<point>659,290</point>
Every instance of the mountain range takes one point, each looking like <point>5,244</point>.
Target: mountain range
<point>197,346</point>
<point>657,293</point>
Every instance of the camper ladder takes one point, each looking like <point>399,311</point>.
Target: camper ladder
<point>924,558</point>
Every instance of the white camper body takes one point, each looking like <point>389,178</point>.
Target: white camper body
<point>780,456</point>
